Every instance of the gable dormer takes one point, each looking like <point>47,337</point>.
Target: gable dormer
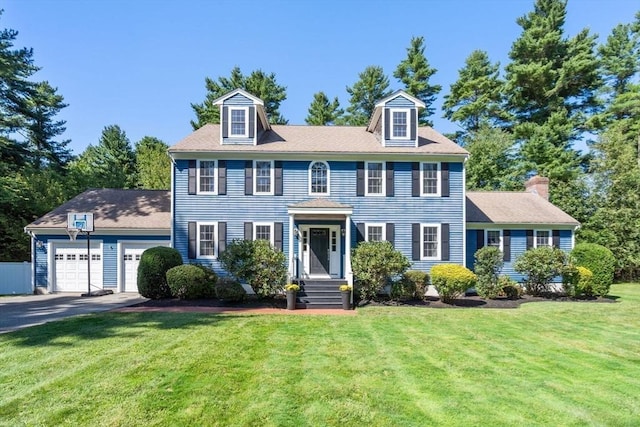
<point>395,120</point>
<point>242,118</point>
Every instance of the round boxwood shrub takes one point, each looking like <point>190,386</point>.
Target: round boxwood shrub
<point>600,261</point>
<point>152,271</point>
<point>451,280</point>
<point>228,289</point>
<point>188,281</point>
<point>509,288</point>
<point>211,278</point>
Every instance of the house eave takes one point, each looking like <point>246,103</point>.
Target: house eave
<point>317,155</point>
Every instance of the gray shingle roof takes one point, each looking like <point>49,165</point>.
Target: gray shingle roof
<point>114,209</point>
<point>503,207</point>
<point>317,139</point>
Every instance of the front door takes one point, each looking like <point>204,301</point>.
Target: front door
<point>319,256</point>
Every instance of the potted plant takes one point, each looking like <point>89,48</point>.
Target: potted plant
<point>345,292</point>
<point>292,290</point>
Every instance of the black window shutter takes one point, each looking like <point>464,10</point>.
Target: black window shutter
<point>506,245</point>
<point>415,242</point>
<point>225,122</point>
<point>556,238</point>
<point>192,177</point>
<point>248,231</point>
<point>193,236</point>
<point>222,237</point>
<point>391,232</point>
<point>277,236</point>
<point>360,179</point>
<point>248,178</point>
<point>479,239</point>
<point>278,178</point>
<point>444,238</point>
<point>444,173</point>
<point>387,124</point>
<point>529,239</point>
<point>222,177</point>
<point>415,179</point>
<point>252,121</point>
<point>390,188</point>
<point>360,232</point>
<point>414,123</point>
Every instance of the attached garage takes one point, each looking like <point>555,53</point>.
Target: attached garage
<point>126,223</point>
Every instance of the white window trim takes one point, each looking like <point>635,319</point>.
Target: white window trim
<point>438,184</point>
<point>271,178</point>
<point>486,238</point>
<point>271,231</point>
<point>375,224</point>
<point>438,242</point>
<point>549,241</point>
<point>384,179</point>
<point>311,193</point>
<point>215,177</point>
<point>246,122</point>
<point>408,113</point>
<point>215,241</point>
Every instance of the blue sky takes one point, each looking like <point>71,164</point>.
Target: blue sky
<point>140,64</point>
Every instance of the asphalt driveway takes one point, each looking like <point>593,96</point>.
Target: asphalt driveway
<point>23,311</point>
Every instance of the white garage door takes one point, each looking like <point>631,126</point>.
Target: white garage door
<point>131,259</point>
<point>70,264</point>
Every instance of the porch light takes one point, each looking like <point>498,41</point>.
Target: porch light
<point>296,232</point>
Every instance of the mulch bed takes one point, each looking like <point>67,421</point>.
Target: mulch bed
<point>472,301</point>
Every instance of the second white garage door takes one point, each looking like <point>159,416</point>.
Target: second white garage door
<point>131,259</point>
<point>71,268</point>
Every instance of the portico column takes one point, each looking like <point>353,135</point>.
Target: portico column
<point>347,254</point>
<point>291,251</point>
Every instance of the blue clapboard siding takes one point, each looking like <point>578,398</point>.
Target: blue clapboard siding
<point>518,247</point>
<point>235,208</point>
<point>109,254</point>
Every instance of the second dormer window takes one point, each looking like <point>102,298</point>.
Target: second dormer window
<point>400,124</point>
<point>238,122</point>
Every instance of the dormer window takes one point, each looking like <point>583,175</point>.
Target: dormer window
<point>400,124</point>
<point>238,123</point>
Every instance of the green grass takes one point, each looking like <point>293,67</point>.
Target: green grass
<point>542,364</point>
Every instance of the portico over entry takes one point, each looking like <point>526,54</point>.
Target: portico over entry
<point>320,240</point>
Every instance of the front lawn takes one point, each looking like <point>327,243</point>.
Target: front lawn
<point>550,363</point>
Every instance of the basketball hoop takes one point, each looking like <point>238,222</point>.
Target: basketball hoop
<point>73,233</point>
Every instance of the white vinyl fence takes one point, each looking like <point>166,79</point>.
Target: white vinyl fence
<point>15,278</point>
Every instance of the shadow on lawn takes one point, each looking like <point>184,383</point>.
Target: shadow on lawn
<point>107,325</point>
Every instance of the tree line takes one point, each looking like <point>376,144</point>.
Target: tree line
<point>516,120</point>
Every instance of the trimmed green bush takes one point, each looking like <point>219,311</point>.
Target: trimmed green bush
<point>190,281</point>
<point>258,264</point>
<point>403,290</point>
<point>211,279</point>
<point>420,281</point>
<point>451,280</point>
<point>509,288</point>
<point>540,266</point>
<point>228,289</point>
<point>488,264</point>
<point>570,278</point>
<point>374,264</point>
<point>152,271</point>
<point>600,261</point>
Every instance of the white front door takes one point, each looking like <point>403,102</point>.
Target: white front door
<point>320,251</point>
<point>71,264</point>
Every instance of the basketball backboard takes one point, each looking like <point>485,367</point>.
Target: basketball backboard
<point>81,221</point>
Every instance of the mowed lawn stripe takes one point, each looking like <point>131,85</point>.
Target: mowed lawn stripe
<point>541,364</point>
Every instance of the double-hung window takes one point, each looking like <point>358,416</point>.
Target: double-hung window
<point>375,178</point>
<point>542,238</point>
<point>429,241</point>
<point>375,232</point>
<point>319,178</point>
<point>207,176</point>
<point>400,124</point>
<point>430,179</point>
<point>494,238</point>
<point>207,238</point>
<point>263,231</point>
<point>263,177</point>
<point>238,123</point>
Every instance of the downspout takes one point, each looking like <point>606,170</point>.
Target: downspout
<point>33,259</point>
<point>173,177</point>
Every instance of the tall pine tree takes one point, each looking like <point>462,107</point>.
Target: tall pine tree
<point>322,112</point>
<point>372,87</point>
<point>414,73</point>
<point>153,164</point>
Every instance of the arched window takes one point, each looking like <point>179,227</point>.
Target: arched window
<point>319,178</point>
